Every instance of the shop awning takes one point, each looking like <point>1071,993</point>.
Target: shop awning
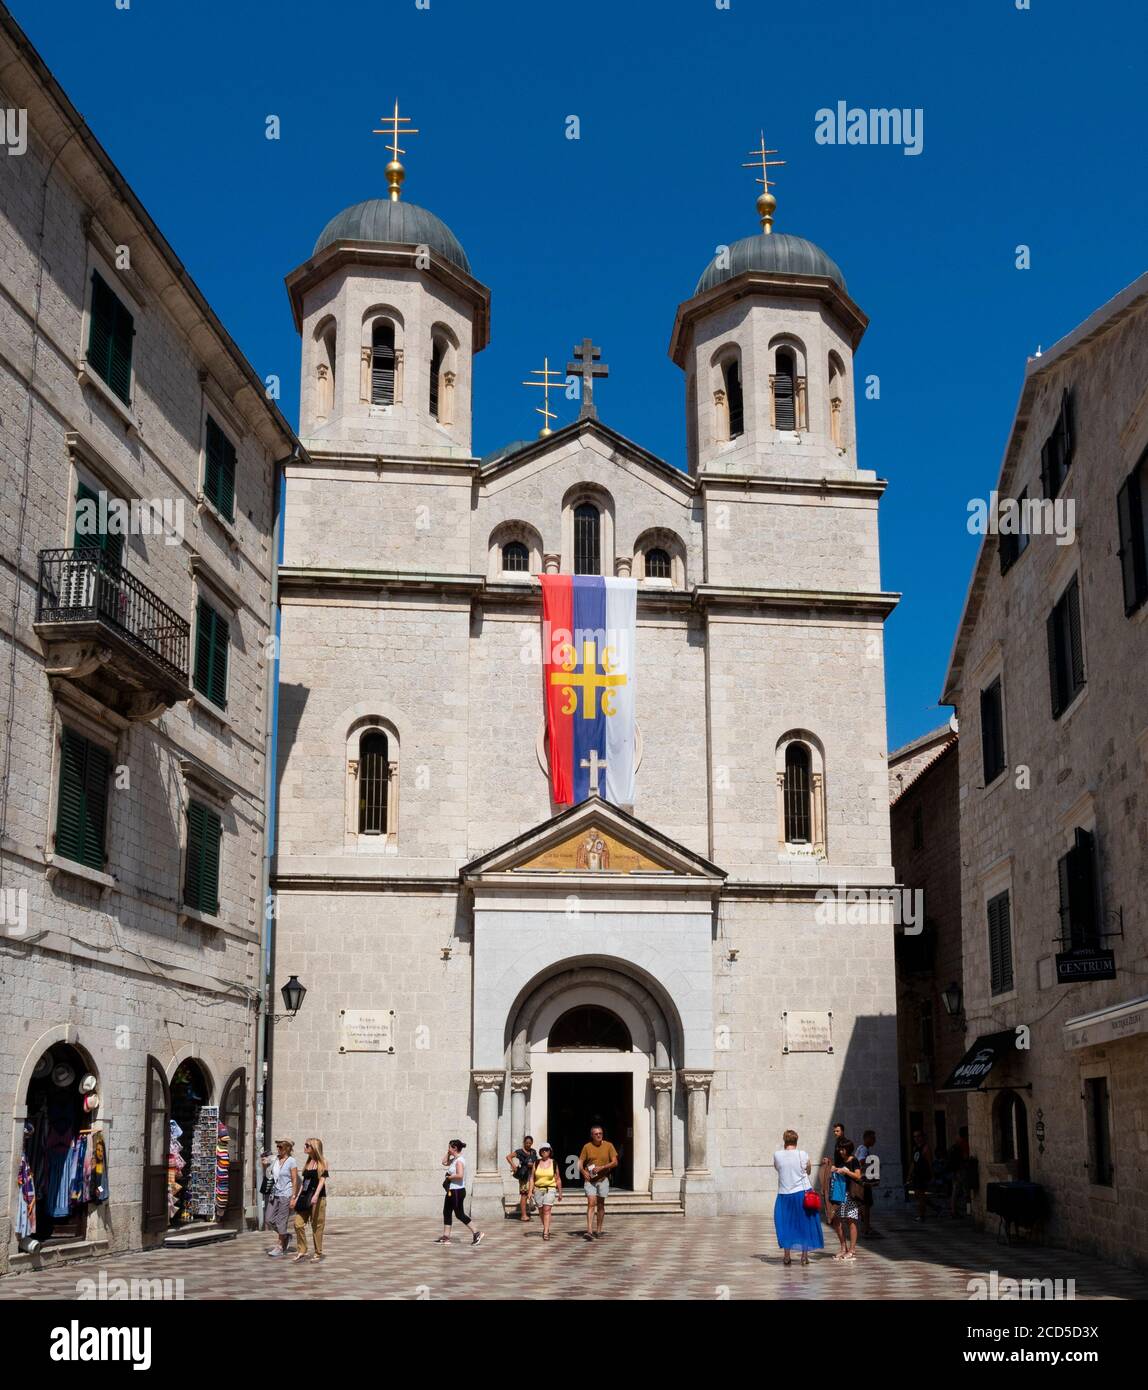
<point>974,1067</point>
<point>1107,1025</point>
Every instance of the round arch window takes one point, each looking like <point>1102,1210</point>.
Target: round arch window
<point>589,1028</point>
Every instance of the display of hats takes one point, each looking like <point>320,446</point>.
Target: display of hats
<point>63,1074</point>
<point>42,1067</point>
<point>88,1084</point>
<point>92,1101</point>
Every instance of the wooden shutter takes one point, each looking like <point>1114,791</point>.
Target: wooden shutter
<point>212,636</point>
<point>1000,944</point>
<point>383,365</point>
<point>112,546</point>
<point>120,364</point>
<point>435,369</point>
<point>1081,884</point>
<point>1075,652</point>
<point>1132,552</point>
<point>82,800</point>
<point>233,1114</point>
<point>100,326</point>
<point>1055,662</point>
<point>201,875</point>
<point>157,1142</point>
<point>992,733</point>
<point>219,470</point>
<point>784,403</point>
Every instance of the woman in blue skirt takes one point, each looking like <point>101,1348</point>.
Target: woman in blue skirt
<point>797,1229</point>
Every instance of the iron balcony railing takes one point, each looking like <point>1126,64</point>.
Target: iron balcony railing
<point>83,585</point>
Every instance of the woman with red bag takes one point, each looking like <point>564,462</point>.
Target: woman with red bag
<point>797,1210</point>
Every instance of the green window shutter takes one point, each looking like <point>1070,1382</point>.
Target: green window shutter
<point>212,635</point>
<point>1133,529</point>
<point>201,879</point>
<point>110,335</point>
<point>219,470</point>
<point>111,545</point>
<point>82,802</point>
<point>1075,663</point>
<point>1000,945</point>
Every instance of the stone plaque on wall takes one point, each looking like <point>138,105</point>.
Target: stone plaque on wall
<point>366,1030</point>
<point>807,1032</point>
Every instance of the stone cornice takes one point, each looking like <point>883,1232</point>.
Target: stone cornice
<point>736,596</point>
<point>821,487</point>
<point>298,579</point>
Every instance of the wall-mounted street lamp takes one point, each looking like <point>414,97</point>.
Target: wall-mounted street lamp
<point>951,998</point>
<point>293,995</point>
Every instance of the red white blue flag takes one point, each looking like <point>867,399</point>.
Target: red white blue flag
<point>588,674</point>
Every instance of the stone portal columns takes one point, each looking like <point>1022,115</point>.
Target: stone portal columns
<point>663,1084</point>
<point>488,1085</point>
<point>698,1184</point>
<point>519,1090</point>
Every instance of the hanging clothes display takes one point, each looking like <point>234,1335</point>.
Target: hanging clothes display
<point>61,1180</point>
<point>26,1215</point>
<point>80,1186</point>
<point>200,1199</point>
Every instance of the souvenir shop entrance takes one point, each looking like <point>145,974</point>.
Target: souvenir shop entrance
<point>193,1148</point>
<point>63,1167</point>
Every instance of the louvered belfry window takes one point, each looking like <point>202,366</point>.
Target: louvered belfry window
<point>435,370</point>
<point>587,539</point>
<point>373,775</point>
<point>110,332</point>
<point>784,392</point>
<point>797,798</point>
<point>82,800</point>
<point>201,877</point>
<point>383,364</point>
<point>734,398</point>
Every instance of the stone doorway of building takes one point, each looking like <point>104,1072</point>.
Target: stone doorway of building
<point>575,1102</point>
<point>190,1092</point>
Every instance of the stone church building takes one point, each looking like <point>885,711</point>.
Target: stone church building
<point>481,962</point>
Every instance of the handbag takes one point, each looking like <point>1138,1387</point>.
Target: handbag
<point>812,1201</point>
<point>267,1186</point>
<point>446,1184</point>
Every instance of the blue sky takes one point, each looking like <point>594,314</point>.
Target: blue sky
<point>1031,124</point>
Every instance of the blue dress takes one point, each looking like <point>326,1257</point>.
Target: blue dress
<point>797,1229</point>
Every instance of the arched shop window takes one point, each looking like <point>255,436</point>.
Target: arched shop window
<point>63,1161</point>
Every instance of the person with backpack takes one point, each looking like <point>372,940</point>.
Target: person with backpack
<point>522,1163</point>
<point>797,1207</point>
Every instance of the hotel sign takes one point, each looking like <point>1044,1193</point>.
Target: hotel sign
<point>1073,967</point>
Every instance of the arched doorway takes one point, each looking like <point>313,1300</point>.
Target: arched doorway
<point>190,1091</point>
<point>58,1147</point>
<point>1010,1134</point>
<point>598,1046</point>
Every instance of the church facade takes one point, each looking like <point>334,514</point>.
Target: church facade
<point>481,961</point>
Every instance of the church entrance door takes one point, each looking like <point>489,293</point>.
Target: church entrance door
<point>575,1102</point>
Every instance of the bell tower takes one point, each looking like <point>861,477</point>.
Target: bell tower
<point>390,317</point>
<point>766,343</point>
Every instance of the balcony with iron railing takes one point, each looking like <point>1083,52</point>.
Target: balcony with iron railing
<point>103,629</point>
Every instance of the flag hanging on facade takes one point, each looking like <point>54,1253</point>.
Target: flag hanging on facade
<point>588,674</point>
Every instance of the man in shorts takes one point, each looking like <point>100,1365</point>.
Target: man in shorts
<point>596,1162</point>
<point>522,1163</point>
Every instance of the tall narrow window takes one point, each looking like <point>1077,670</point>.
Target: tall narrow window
<point>1011,545</point>
<point>110,333</point>
<point>658,564</point>
<point>587,539</point>
<point>1132,517</point>
<point>798,808</point>
<point>515,557</point>
<point>992,732</point>
<point>201,874</point>
<point>1065,649</point>
<point>1100,1169</point>
<point>1079,894</point>
<point>374,771</point>
<point>1000,944</point>
<point>383,363</point>
<point>212,639</point>
<point>437,355</point>
<point>1058,449</point>
<point>785,391</point>
<point>82,800</point>
<point>731,373</point>
<point>87,533</point>
<point>219,471</point>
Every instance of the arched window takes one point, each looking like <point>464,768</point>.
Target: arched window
<point>383,363</point>
<point>735,404</point>
<point>1010,1134</point>
<point>836,400</point>
<point>516,557</point>
<point>374,783</point>
<point>798,801</point>
<point>325,370</point>
<point>785,390</point>
<point>438,352</point>
<point>587,539</point>
<point>658,564</point>
<point>589,1028</point>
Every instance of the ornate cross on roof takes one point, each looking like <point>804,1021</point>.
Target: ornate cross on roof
<point>587,365</point>
<point>766,202</point>
<point>399,125</point>
<point>549,382</point>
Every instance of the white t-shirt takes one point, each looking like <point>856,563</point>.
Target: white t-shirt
<point>457,1171</point>
<point>281,1170</point>
<point>791,1174</point>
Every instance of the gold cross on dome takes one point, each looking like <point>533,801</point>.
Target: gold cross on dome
<point>398,126</point>
<point>766,202</point>
<point>547,384</point>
